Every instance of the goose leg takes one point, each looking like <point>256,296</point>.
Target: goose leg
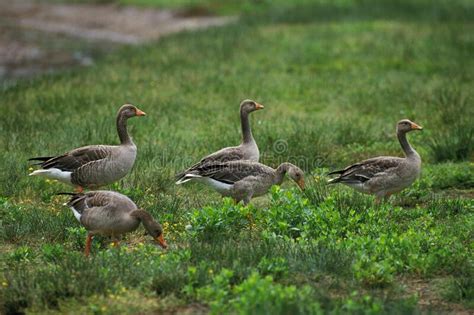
<point>87,250</point>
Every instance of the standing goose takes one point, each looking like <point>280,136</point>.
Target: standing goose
<point>247,150</point>
<point>112,214</point>
<point>94,165</point>
<point>243,180</point>
<point>384,175</point>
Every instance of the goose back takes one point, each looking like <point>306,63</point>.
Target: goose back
<point>105,212</point>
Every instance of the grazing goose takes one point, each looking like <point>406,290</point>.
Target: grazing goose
<point>94,165</point>
<point>247,150</point>
<point>112,214</point>
<point>243,180</point>
<point>384,175</point>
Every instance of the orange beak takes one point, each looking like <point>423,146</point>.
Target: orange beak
<point>161,241</point>
<point>140,113</point>
<point>301,183</point>
<point>416,127</point>
<point>259,106</point>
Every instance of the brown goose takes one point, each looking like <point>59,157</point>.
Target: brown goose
<point>384,175</point>
<point>247,150</point>
<point>94,165</point>
<point>112,214</point>
<point>243,180</point>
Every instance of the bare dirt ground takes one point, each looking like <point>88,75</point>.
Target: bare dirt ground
<point>429,299</point>
<point>38,37</point>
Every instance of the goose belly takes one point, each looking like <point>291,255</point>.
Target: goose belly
<point>220,187</point>
<point>400,185</point>
<point>117,170</point>
<point>392,184</point>
<point>105,171</point>
<point>106,225</point>
<point>360,187</point>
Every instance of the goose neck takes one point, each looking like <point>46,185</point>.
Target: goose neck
<point>142,215</point>
<point>406,147</point>
<point>280,173</point>
<point>247,136</point>
<point>122,129</point>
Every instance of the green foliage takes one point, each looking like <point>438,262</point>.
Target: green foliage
<point>380,247</point>
<point>53,252</point>
<point>335,76</point>
<point>275,266</point>
<point>461,287</point>
<point>76,236</point>
<point>257,295</point>
<point>453,137</point>
<point>22,253</point>
<point>212,221</point>
<point>75,275</point>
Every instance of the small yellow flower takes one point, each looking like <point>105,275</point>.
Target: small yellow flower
<point>5,284</point>
<point>30,169</point>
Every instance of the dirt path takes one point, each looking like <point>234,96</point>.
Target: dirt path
<point>38,37</point>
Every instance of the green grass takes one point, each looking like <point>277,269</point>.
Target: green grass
<point>200,7</point>
<point>334,78</point>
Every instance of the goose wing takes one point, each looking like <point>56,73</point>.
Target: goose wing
<point>76,158</point>
<point>366,170</point>
<point>223,155</point>
<point>232,172</point>
<point>85,201</point>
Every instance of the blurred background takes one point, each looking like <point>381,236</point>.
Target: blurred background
<point>38,36</point>
<point>334,76</point>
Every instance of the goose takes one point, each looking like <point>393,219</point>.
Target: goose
<point>242,180</point>
<point>384,175</point>
<point>112,214</point>
<point>247,150</point>
<point>94,165</point>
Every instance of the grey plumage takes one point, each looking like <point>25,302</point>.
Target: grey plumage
<point>384,175</point>
<point>94,165</point>
<point>111,213</point>
<point>247,150</point>
<point>243,180</point>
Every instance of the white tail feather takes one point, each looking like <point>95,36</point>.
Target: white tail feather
<point>187,178</point>
<point>76,214</point>
<point>54,173</point>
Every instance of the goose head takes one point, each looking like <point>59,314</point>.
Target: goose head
<point>155,230</point>
<point>128,111</point>
<point>297,175</point>
<point>406,125</point>
<point>248,106</point>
